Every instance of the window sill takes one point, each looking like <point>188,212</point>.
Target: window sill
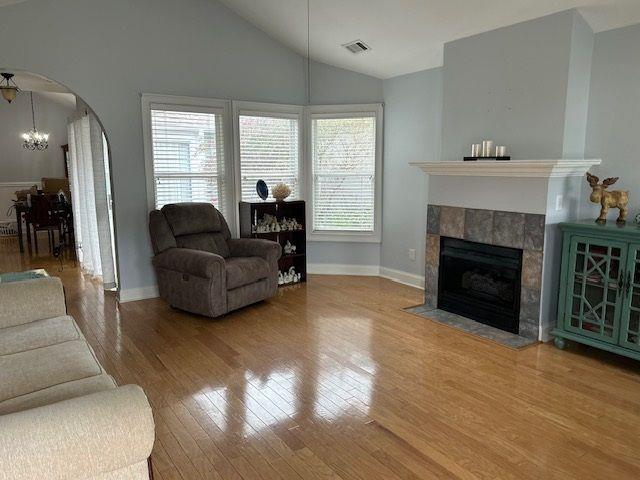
<point>348,237</point>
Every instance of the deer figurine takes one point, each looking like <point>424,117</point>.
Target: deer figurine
<point>616,199</point>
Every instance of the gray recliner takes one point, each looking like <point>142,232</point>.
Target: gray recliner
<point>201,269</point>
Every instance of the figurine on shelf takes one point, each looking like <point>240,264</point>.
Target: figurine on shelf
<point>289,277</point>
<point>293,277</point>
<point>290,224</point>
<point>289,249</point>
<point>268,223</point>
<point>617,199</point>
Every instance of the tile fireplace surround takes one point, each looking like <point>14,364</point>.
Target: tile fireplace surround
<point>493,227</point>
<point>515,204</point>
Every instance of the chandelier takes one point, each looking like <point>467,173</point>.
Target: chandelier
<point>33,139</point>
<point>8,87</point>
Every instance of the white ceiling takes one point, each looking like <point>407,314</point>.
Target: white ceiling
<point>407,35</point>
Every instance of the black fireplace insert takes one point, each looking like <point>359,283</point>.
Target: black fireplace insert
<point>481,282</point>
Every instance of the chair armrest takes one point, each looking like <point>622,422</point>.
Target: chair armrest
<point>195,262</point>
<point>30,300</point>
<point>255,247</point>
<point>78,438</point>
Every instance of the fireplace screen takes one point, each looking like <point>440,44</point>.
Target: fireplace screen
<point>481,282</point>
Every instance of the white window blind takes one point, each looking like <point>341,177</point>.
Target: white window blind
<point>344,170</point>
<point>188,156</point>
<point>269,151</point>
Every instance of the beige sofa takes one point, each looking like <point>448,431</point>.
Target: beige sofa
<point>61,415</point>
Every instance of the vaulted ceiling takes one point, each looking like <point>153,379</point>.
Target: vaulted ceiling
<point>407,35</point>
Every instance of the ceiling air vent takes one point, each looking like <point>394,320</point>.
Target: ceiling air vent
<point>357,46</point>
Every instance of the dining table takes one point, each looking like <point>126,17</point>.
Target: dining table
<point>23,208</point>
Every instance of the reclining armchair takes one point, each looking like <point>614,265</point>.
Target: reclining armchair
<point>201,269</point>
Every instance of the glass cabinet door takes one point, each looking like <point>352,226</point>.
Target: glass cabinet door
<point>594,297</point>
<point>630,324</point>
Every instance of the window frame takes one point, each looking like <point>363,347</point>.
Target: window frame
<point>276,110</point>
<point>345,111</point>
<point>188,104</point>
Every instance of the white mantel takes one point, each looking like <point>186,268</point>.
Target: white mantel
<point>509,168</point>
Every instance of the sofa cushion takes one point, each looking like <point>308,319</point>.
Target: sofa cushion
<point>189,218</point>
<point>33,370</point>
<point>57,393</point>
<point>245,270</point>
<point>40,333</point>
<point>29,300</point>
<point>207,242</point>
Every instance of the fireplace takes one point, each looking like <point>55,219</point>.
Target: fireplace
<point>480,281</point>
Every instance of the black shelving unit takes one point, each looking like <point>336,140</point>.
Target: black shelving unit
<point>252,212</point>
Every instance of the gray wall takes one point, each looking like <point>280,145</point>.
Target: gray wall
<point>613,131</point>
<point>508,85</point>
<point>332,85</point>
<point>578,81</point>
<point>110,52</point>
<point>413,109</point>
<point>18,164</point>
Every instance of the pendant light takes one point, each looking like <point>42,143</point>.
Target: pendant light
<point>8,87</point>
<point>34,140</point>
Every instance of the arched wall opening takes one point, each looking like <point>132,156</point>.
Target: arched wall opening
<point>73,170</point>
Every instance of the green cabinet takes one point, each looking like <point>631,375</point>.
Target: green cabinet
<point>599,301</point>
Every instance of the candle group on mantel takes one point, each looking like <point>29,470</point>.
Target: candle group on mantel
<point>486,149</point>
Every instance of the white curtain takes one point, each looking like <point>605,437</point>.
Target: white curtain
<point>91,216</point>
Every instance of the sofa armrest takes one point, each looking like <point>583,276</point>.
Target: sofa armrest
<point>255,247</point>
<point>194,262</point>
<point>77,438</point>
<point>30,300</point>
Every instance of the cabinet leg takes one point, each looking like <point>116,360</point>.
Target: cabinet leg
<point>560,343</point>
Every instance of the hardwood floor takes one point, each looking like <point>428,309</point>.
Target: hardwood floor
<point>333,380</point>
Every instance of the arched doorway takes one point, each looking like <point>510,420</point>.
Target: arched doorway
<point>55,184</point>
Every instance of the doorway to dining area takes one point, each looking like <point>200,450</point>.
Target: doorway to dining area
<point>55,187</point>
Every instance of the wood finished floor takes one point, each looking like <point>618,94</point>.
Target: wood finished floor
<point>332,380</point>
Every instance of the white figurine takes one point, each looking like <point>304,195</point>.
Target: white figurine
<point>280,278</point>
<point>289,249</point>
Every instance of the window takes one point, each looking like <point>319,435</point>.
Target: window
<point>345,163</point>
<point>197,150</point>
<point>185,150</point>
<point>268,148</point>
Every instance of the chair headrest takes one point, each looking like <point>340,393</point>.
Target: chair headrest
<point>190,218</point>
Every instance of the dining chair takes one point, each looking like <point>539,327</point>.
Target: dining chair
<point>44,217</point>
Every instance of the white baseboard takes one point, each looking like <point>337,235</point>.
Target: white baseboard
<point>405,278</point>
<point>545,333</point>
<point>343,269</point>
<point>398,276</point>
<point>134,294</point>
